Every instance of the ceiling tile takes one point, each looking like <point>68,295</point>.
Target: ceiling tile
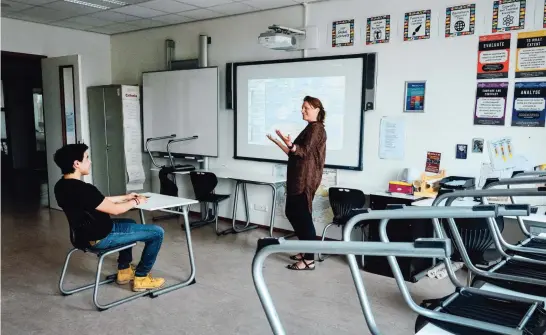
<point>112,16</point>
<point>172,19</point>
<point>202,14</point>
<point>72,7</point>
<point>114,28</point>
<point>147,23</point>
<point>268,4</point>
<point>89,21</point>
<point>36,2</point>
<point>69,24</point>
<point>139,11</point>
<point>233,8</point>
<point>206,3</point>
<point>12,6</point>
<point>42,14</point>
<point>168,6</point>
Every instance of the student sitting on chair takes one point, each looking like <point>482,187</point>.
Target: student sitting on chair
<point>87,210</point>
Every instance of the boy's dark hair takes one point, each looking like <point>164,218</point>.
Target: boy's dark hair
<point>65,156</point>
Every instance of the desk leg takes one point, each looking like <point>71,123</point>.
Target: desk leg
<point>234,229</point>
<point>142,220</point>
<point>273,204</point>
<point>191,278</point>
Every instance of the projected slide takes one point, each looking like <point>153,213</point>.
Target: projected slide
<point>276,104</point>
<point>269,96</point>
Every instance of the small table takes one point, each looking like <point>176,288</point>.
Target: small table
<point>242,179</point>
<point>160,202</point>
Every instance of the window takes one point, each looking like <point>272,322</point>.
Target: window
<point>68,104</point>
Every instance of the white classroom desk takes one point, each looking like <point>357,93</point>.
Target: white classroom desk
<point>242,178</point>
<point>164,203</point>
<point>431,329</point>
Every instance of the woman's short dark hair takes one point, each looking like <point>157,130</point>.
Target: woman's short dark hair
<point>65,156</point>
<point>316,103</point>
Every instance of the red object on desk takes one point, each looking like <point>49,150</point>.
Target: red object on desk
<point>400,187</point>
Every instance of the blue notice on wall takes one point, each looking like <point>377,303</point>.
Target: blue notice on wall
<point>415,96</point>
<point>529,104</point>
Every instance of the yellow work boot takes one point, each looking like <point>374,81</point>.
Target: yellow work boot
<point>125,275</point>
<point>147,283</point>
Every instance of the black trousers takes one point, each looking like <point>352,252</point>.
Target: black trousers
<point>297,212</point>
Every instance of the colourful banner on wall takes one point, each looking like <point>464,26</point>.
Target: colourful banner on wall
<point>491,103</point>
<point>529,109</point>
<point>531,54</point>
<point>494,56</point>
<point>433,162</point>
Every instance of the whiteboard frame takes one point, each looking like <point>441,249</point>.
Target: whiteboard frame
<point>365,79</point>
<point>175,152</point>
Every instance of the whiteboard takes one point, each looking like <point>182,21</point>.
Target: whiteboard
<point>269,96</point>
<point>185,103</point>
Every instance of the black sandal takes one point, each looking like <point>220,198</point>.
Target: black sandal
<point>297,257</point>
<point>297,268</point>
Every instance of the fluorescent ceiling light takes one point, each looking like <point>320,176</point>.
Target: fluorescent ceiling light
<point>88,4</point>
<point>115,2</point>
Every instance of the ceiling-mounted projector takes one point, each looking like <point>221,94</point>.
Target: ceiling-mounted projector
<point>281,38</point>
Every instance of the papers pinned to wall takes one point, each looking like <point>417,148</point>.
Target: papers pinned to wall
<point>501,153</point>
<point>132,137</point>
<point>392,138</point>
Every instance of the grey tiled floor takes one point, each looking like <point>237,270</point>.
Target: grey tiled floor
<point>223,301</point>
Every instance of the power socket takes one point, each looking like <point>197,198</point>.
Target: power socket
<point>260,208</point>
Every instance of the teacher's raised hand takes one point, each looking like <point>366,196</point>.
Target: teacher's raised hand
<point>286,139</point>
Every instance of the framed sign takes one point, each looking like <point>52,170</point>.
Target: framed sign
<point>460,20</point>
<point>417,25</point>
<point>378,29</point>
<point>508,15</point>
<point>414,96</point>
<point>343,33</point>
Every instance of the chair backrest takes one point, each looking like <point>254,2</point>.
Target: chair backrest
<point>203,183</point>
<point>167,186</point>
<point>476,236</point>
<point>75,221</point>
<point>344,200</point>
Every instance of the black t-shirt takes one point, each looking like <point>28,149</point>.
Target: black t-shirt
<point>79,201</point>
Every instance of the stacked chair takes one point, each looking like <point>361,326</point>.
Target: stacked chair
<point>505,298</point>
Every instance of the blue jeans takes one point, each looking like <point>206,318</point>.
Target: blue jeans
<point>127,231</point>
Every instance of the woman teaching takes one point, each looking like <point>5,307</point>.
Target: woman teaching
<point>306,156</point>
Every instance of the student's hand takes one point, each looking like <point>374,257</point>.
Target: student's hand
<point>142,200</point>
<point>286,139</point>
<point>131,196</point>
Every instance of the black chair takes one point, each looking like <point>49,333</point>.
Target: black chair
<point>84,246</point>
<point>204,184</point>
<point>345,203</point>
<point>477,240</point>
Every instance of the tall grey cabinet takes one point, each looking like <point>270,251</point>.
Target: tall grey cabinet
<point>107,107</point>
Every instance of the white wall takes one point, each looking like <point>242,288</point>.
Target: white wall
<point>38,39</point>
<point>449,66</point>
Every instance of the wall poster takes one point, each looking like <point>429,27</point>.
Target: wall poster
<point>378,29</point>
<point>508,15</point>
<point>414,96</point>
<point>433,162</point>
<point>417,25</point>
<point>529,104</point>
<point>531,54</point>
<point>343,33</point>
<point>494,56</point>
<point>460,20</point>
<point>491,103</point>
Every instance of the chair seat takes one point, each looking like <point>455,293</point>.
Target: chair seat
<point>499,311</point>
<point>213,198</point>
<point>100,252</point>
<point>343,219</point>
